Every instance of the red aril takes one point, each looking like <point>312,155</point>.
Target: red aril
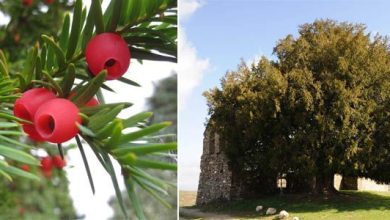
<point>56,120</point>
<point>27,2</point>
<point>108,51</point>
<point>58,162</point>
<point>25,167</point>
<point>26,106</point>
<point>46,164</point>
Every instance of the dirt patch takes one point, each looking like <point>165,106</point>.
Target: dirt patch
<point>187,198</point>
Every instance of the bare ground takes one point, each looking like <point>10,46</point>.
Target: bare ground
<point>187,201</point>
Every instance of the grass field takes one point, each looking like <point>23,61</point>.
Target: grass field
<point>347,205</point>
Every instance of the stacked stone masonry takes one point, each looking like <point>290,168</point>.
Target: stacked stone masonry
<point>215,182</point>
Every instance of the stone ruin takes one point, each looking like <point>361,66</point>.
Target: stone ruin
<point>217,181</point>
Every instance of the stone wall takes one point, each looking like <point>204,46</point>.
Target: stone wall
<point>215,181</point>
<point>362,184</point>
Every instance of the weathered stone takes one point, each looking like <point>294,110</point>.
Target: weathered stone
<point>270,211</point>
<point>214,185</point>
<point>295,218</point>
<point>218,180</point>
<point>259,208</point>
<point>283,214</point>
<point>215,181</point>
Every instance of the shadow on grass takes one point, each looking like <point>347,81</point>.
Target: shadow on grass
<point>346,201</point>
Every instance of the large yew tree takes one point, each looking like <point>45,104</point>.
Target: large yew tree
<point>320,108</point>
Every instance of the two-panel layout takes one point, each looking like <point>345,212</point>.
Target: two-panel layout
<point>194,109</point>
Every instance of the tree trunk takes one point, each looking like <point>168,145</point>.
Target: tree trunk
<point>300,184</point>
<point>349,183</point>
<point>324,184</point>
<point>324,180</point>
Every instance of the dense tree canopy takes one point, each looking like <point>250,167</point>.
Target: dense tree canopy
<point>320,108</point>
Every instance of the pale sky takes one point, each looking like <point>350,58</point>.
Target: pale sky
<point>191,72</point>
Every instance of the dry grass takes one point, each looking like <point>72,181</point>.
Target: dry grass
<point>187,198</point>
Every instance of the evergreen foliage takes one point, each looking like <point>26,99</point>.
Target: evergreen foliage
<point>320,108</point>
<point>164,104</point>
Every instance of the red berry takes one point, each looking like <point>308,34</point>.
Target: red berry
<point>108,51</point>
<point>32,133</point>
<point>90,103</point>
<point>17,38</point>
<point>21,211</point>
<point>47,173</point>
<point>55,121</point>
<point>26,106</point>
<point>27,2</point>
<point>49,1</point>
<point>46,164</point>
<point>58,161</point>
<point>25,167</point>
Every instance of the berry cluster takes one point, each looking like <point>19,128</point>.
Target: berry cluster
<point>53,119</point>
<point>47,164</point>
